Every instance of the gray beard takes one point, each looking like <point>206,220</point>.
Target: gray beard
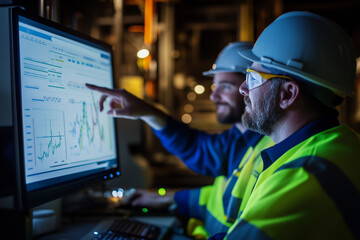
<point>263,118</point>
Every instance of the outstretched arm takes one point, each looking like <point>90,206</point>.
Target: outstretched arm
<point>125,105</point>
<point>203,153</point>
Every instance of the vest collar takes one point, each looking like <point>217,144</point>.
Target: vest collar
<point>271,154</point>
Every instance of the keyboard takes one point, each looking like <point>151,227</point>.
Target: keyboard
<point>123,229</point>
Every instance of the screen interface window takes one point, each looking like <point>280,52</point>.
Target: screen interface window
<point>63,131</point>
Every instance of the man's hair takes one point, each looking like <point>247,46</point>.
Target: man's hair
<point>308,96</point>
<point>276,83</point>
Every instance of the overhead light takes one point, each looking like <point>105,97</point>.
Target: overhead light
<point>191,96</point>
<point>188,108</point>
<point>143,53</point>
<point>199,89</point>
<point>186,118</point>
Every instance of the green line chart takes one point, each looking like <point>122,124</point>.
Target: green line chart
<point>85,129</point>
<point>50,145</point>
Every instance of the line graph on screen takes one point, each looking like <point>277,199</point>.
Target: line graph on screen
<point>85,128</point>
<point>50,145</point>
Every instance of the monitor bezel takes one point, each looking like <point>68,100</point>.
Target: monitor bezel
<point>30,199</point>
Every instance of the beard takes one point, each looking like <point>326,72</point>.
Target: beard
<point>265,114</point>
<point>233,114</point>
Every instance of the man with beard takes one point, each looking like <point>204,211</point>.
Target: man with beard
<point>303,66</point>
<point>233,157</point>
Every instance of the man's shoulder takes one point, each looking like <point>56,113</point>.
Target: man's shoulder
<point>336,142</point>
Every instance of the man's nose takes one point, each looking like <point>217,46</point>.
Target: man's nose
<point>243,89</point>
<point>214,95</point>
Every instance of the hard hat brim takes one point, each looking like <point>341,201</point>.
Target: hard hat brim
<point>212,72</point>
<point>297,74</point>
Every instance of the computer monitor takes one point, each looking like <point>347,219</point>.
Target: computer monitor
<point>62,140</point>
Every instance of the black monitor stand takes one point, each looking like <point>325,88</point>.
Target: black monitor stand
<point>16,224</point>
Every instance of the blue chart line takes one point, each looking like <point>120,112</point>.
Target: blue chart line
<point>50,146</point>
<point>85,129</point>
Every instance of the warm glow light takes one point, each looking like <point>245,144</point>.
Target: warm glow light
<point>143,53</point>
<point>136,28</point>
<point>188,108</point>
<point>186,118</point>
<point>212,87</point>
<point>114,200</point>
<point>191,96</point>
<point>199,89</point>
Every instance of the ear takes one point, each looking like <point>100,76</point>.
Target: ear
<point>289,92</point>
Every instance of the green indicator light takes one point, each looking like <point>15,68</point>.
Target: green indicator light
<point>161,191</point>
<point>145,210</point>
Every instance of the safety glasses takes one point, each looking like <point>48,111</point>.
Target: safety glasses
<point>255,79</point>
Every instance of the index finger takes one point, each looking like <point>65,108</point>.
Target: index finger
<point>103,90</point>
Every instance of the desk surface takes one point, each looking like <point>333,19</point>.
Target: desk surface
<point>80,219</point>
<point>84,227</point>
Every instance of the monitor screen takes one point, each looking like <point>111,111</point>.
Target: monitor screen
<point>63,136</point>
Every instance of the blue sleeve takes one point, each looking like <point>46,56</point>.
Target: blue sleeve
<point>218,236</point>
<point>182,200</point>
<point>188,203</point>
<point>207,154</point>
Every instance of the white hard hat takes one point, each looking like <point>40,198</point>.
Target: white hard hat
<point>308,47</point>
<point>229,60</point>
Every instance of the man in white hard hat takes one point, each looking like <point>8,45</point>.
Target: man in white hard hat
<point>302,66</point>
<point>229,156</point>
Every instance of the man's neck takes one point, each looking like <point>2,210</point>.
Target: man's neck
<point>241,127</point>
<point>290,123</point>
